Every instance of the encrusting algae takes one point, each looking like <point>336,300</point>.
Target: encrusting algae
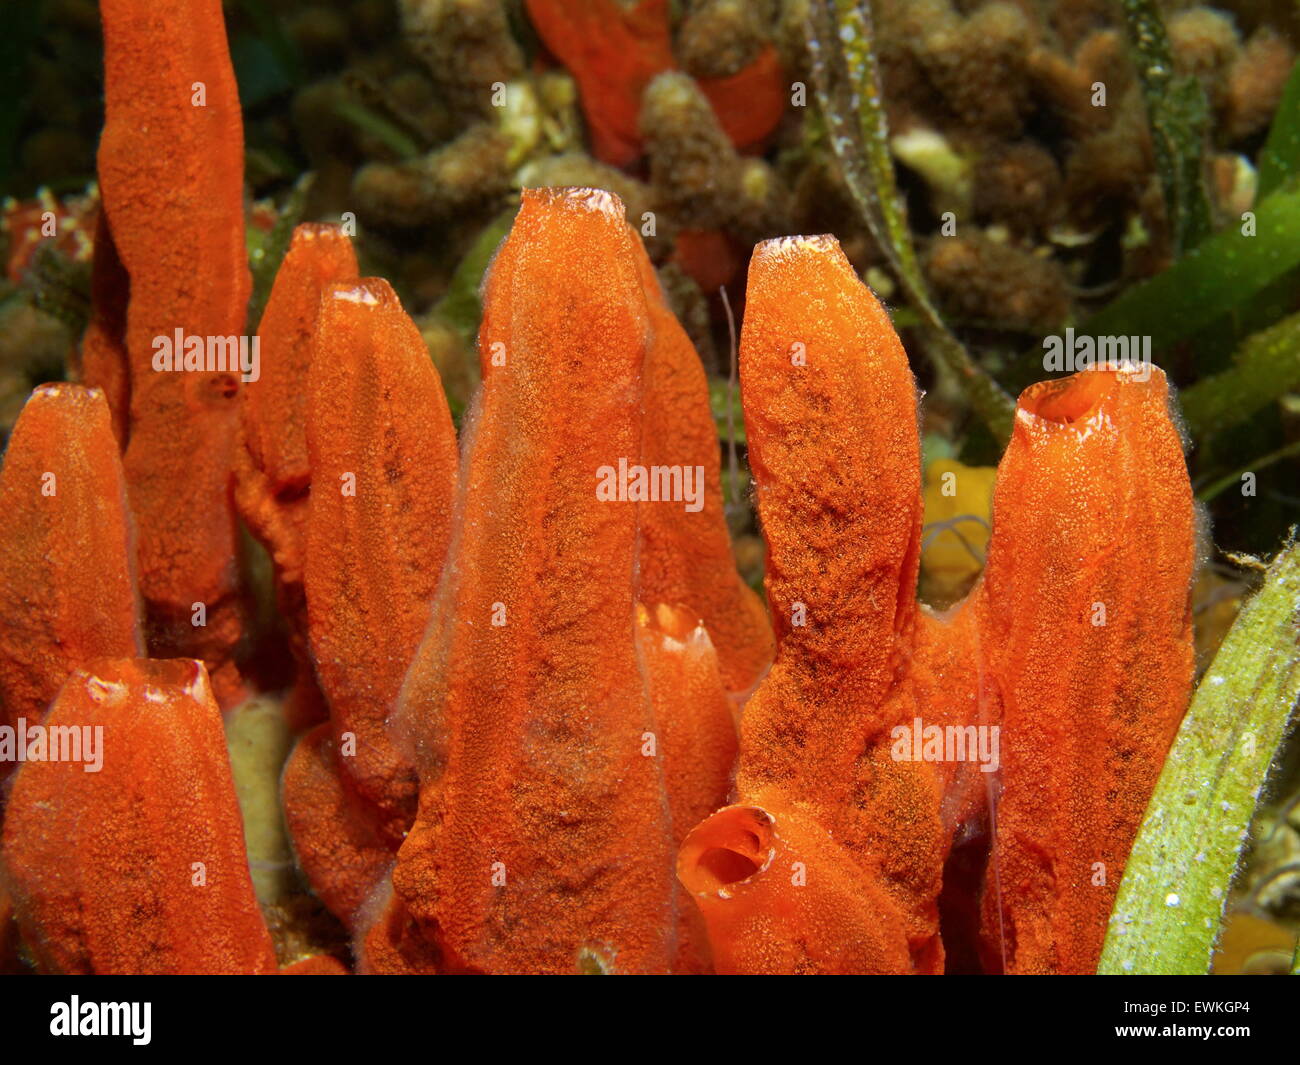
<point>541,728</point>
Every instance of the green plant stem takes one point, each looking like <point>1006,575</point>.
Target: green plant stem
<point>1179,118</point>
<point>1170,904</point>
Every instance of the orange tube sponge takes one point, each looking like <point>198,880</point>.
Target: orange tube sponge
<point>274,474</point>
<point>749,103</point>
<point>781,896</point>
<point>67,593</point>
<point>171,174</point>
<point>1085,623</point>
<point>686,555</point>
<point>696,726</point>
<point>129,857</point>
<point>543,842</point>
<point>694,738</point>
<point>612,52</point>
<point>333,833</point>
<point>1090,563</point>
<point>685,558</point>
<point>383,460</point>
<point>831,423</point>
<point>382,453</point>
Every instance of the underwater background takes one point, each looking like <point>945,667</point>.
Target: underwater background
<point>1002,174</point>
